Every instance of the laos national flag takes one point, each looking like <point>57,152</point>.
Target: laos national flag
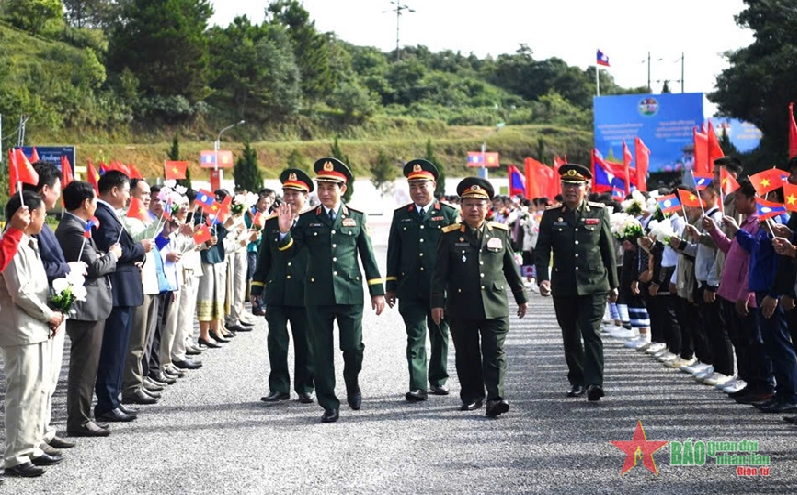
<point>618,189</point>
<point>603,59</point>
<point>703,181</point>
<point>603,178</point>
<point>205,199</point>
<point>669,204</point>
<point>768,209</point>
<point>517,182</point>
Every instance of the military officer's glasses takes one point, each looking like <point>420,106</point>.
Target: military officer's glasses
<point>573,185</point>
<point>476,204</point>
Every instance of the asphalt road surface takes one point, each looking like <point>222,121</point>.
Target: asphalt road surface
<point>211,434</point>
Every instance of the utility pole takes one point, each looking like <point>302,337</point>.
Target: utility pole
<point>649,88</point>
<point>682,72</point>
<point>399,8</point>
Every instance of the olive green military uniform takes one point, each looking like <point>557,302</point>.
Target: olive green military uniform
<point>334,290</point>
<point>583,273</point>
<point>475,271</point>
<point>281,278</point>
<point>411,258</point>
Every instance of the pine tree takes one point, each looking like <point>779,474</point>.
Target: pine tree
<point>297,160</point>
<point>440,190</point>
<point>382,172</point>
<point>247,174</point>
<point>541,150</point>
<point>338,153</point>
<point>174,154</point>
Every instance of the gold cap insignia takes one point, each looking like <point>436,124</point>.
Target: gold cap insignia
<point>292,176</point>
<point>328,167</point>
<point>475,187</point>
<point>571,173</point>
<point>417,168</point>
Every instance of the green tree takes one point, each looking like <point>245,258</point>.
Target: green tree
<point>541,149</point>
<point>247,174</point>
<point>163,43</point>
<point>310,48</point>
<point>33,15</point>
<point>174,154</point>
<point>297,160</point>
<point>383,172</point>
<point>759,83</point>
<point>89,13</point>
<point>440,190</point>
<point>338,153</point>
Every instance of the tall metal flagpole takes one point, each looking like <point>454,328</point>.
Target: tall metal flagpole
<point>598,78</point>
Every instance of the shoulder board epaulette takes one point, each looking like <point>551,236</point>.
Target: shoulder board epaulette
<point>402,207</point>
<point>552,207</point>
<point>354,210</point>
<point>274,215</point>
<point>596,205</point>
<point>445,206</point>
<point>452,227</point>
<point>311,210</point>
<point>499,225</point>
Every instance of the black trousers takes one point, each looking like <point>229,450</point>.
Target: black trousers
<point>580,318</point>
<point>480,365</point>
<point>692,323</point>
<point>112,358</point>
<point>664,321</point>
<point>152,358</point>
<point>84,357</point>
<point>718,339</point>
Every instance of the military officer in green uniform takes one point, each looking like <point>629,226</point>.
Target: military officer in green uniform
<point>579,235</point>
<point>279,282</point>
<point>334,236</point>
<point>475,271</point>
<point>411,257</point>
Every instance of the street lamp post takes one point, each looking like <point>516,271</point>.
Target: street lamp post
<point>483,168</point>
<point>217,145</point>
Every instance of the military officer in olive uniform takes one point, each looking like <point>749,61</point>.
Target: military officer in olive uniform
<point>475,271</point>
<point>411,257</point>
<point>579,235</point>
<point>334,236</point>
<point>279,282</point>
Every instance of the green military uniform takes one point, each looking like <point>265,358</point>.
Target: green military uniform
<point>282,279</point>
<point>411,258</point>
<point>334,284</point>
<point>583,274</point>
<point>475,271</point>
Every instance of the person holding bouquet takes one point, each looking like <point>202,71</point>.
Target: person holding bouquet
<point>26,326</point>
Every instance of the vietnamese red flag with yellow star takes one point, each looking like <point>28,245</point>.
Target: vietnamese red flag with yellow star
<point>175,170</point>
<point>627,159</point>
<point>12,172</point>
<point>202,235</point>
<point>134,172</point>
<point>25,171</point>
<point>642,158</point>
<point>137,210</point>
<point>790,196</point>
<point>728,182</point>
<point>768,180</point>
<point>701,163</point>
<point>714,148</point>
<point>688,198</point>
<point>92,177</point>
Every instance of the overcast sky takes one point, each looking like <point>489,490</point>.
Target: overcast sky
<point>625,30</point>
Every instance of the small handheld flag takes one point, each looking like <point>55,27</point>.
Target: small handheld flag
<point>669,204</point>
<point>703,181</point>
<point>205,199</point>
<point>202,235</point>
<point>688,198</point>
<point>137,210</point>
<point>768,209</point>
<point>790,196</point>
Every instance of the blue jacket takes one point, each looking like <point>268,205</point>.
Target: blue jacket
<point>763,260</point>
<point>52,255</point>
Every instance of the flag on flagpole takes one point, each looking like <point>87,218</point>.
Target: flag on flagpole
<point>627,159</point>
<point>669,204</point>
<point>602,59</point>
<point>202,235</point>
<point>768,209</point>
<point>12,172</point>
<point>134,173</point>
<point>688,198</point>
<point>34,156</point>
<point>768,180</point>
<point>790,196</point>
<point>701,158</point>
<point>517,183</point>
<point>205,199</point>
<point>66,171</point>
<point>727,181</point>
<point>25,171</point>
<point>175,170</point>
<point>642,159</point>
<point>137,210</point>
<point>703,181</point>
<point>714,148</point>
<point>92,177</point>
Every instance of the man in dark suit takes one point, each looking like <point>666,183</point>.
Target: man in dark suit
<point>127,293</point>
<point>49,188</point>
<point>278,284</point>
<point>411,257</point>
<point>475,271</point>
<point>87,324</point>
<point>584,275</point>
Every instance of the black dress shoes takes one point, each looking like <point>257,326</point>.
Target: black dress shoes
<point>235,328</point>
<point>594,392</point>
<point>576,391</point>
<point>276,397</point>
<point>47,460</point>
<point>188,364</point>
<point>129,411</point>
<point>416,395</point>
<point>151,386</point>
<point>209,344</point>
<point>330,416</point>
<point>60,443</point>
<point>115,416</point>
<point>158,377</point>
<point>27,470</point>
<point>90,429</point>
<point>306,397</point>
<point>438,390</point>
<point>355,401</point>
<point>219,339</point>
<point>154,395</point>
<point>141,398</point>
<point>497,407</point>
<point>471,405</point>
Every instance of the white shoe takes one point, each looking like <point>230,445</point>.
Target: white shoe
<point>704,374</point>
<point>623,333</point>
<point>677,363</point>
<point>667,356</point>
<point>716,378</point>
<point>631,344</point>
<point>729,383</point>
<point>695,369</point>
<point>739,385</point>
<point>661,353</point>
<point>643,346</point>
<point>654,348</point>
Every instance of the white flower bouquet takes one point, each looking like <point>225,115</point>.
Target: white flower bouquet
<point>636,204</point>
<point>67,290</point>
